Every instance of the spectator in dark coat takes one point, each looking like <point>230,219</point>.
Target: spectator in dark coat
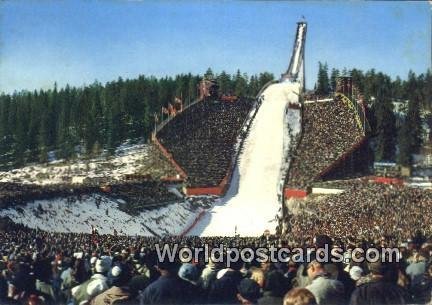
<point>248,292</point>
<point>190,274</point>
<point>167,289</point>
<point>119,293</point>
<point>417,268</point>
<point>381,287</point>
<point>422,291</point>
<point>274,289</point>
<point>24,282</point>
<point>224,288</point>
<point>4,300</point>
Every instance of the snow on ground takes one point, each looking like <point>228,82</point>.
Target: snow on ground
<point>77,216</point>
<point>251,203</point>
<point>294,120</point>
<point>127,160</point>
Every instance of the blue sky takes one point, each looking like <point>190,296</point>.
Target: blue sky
<point>77,42</point>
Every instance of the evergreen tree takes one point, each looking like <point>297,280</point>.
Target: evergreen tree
<point>410,86</point>
<point>386,124</point>
<point>345,72</point>
<point>240,83</point>
<point>427,91</point>
<point>405,147</point>
<point>43,134</point>
<point>397,88</point>
<point>333,76</point>
<point>414,123</point>
<point>224,82</point>
<point>209,74</point>
<point>410,135</point>
<point>91,118</point>
<point>192,89</point>
<point>253,87</point>
<point>21,132</point>
<point>264,78</point>
<point>323,83</point>
<point>357,79</point>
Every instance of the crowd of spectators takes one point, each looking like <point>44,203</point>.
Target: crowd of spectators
<point>329,130</point>
<point>41,268</point>
<point>136,194</point>
<point>365,211</point>
<point>16,194</point>
<point>341,183</point>
<point>202,139</point>
<point>141,195</point>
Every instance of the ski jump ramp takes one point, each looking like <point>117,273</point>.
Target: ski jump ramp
<point>252,202</point>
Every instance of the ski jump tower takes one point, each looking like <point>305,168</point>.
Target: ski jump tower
<point>296,68</point>
<point>294,79</point>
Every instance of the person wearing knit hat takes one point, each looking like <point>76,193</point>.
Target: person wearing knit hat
<point>93,260</point>
<point>102,266</point>
<point>114,274</point>
<point>208,275</point>
<point>189,273</point>
<point>141,277</point>
<point>119,292</point>
<point>97,283</point>
<point>356,273</point>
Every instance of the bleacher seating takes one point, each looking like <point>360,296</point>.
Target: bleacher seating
<point>201,139</point>
<point>330,130</point>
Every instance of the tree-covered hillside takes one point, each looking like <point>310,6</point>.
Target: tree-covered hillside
<point>68,122</point>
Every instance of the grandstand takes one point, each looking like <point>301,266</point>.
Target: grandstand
<point>200,141</point>
<point>332,143</point>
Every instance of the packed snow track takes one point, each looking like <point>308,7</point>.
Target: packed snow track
<point>251,203</point>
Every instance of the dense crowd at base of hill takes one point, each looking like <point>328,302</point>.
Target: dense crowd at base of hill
<point>137,195</point>
<point>329,128</point>
<point>365,211</point>
<point>202,139</point>
<point>40,268</point>
<point>342,183</point>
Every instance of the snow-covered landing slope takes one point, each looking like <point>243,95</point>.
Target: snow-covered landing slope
<point>251,203</point>
<point>128,159</point>
<point>77,216</point>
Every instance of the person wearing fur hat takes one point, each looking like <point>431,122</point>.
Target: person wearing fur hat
<point>95,285</point>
